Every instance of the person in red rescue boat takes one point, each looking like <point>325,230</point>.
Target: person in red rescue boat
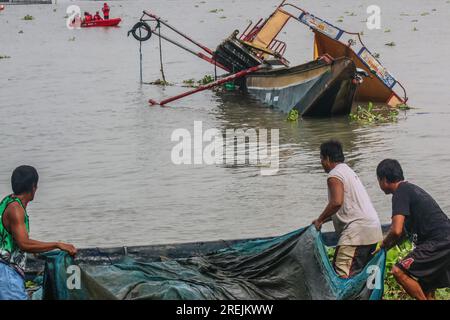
<point>105,10</point>
<point>87,17</point>
<point>97,16</point>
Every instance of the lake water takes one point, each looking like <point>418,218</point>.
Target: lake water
<point>72,106</point>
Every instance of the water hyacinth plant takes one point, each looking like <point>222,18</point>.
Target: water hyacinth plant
<point>196,83</point>
<point>372,114</point>
<point>206,79</point>
<point>292,115</point>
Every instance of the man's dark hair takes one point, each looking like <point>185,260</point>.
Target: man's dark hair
<point>23,179</point>
<point>391,170</point>
<point>332,149</point>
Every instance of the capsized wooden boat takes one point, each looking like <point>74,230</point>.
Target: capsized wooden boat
<point>101,23</point>
<point>326,91</point>
<point>329,39</point>
<point>318,88</point>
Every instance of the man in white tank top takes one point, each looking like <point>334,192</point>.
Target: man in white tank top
<point>353,215</point>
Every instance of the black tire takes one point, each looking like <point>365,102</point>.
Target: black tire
<point>136,31</point>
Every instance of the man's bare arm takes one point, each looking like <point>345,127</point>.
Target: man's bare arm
<point>395,232</point>
<point>336,189</point>
<point>14,219</point>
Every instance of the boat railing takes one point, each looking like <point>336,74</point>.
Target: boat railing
<point>250,35</point>
<point>278,46</point>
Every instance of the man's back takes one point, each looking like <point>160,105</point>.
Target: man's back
<point>425,220</point>
<point>357,220</point>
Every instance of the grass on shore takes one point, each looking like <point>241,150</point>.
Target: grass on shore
<point>392,290</point>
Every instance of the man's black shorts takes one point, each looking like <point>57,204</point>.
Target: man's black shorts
<point>429,263</point>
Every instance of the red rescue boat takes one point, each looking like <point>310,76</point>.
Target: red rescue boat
<point>101,23</point>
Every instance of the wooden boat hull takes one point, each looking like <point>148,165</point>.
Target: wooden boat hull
<point>151,253</point>
<point>315,89</point>
<point>101,23</point>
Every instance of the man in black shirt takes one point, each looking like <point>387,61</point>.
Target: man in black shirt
<point>427,267</point>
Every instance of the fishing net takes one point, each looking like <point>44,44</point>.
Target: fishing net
<point>293,266</point>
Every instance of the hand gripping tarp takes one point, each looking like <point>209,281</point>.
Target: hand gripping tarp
<point>293,266</point>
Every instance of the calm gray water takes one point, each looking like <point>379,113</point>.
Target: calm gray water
<point>76,111</point>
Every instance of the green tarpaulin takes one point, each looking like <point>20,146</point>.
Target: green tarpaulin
<point>293,266</point>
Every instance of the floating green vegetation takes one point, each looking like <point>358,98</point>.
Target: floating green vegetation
<point>372,114</point>
<point>376,55</point>
<point>215,10</point>
<point>195,83</point>
<point>387,30</point>
<point>72,39</point>
<point>292,115</point>
<point>28,17</point>
<point>206,79</point>
<point>223,17</point>
<point>351,14</point>
<point>4,57</point>
<point>189,82</point>
<point>159,82</point>
<point>414,20</point>
<point>403,107</point>
<point>424,14</point>
<point>390,44</point>
<point>415,29</point>
<point>20,31</point>
<point>340,20</point>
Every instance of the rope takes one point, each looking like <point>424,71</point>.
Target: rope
<point>160,53</point>
<point>140,58</point>
<point>215,68</point>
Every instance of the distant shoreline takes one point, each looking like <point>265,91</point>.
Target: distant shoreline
<point>23,2</point>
